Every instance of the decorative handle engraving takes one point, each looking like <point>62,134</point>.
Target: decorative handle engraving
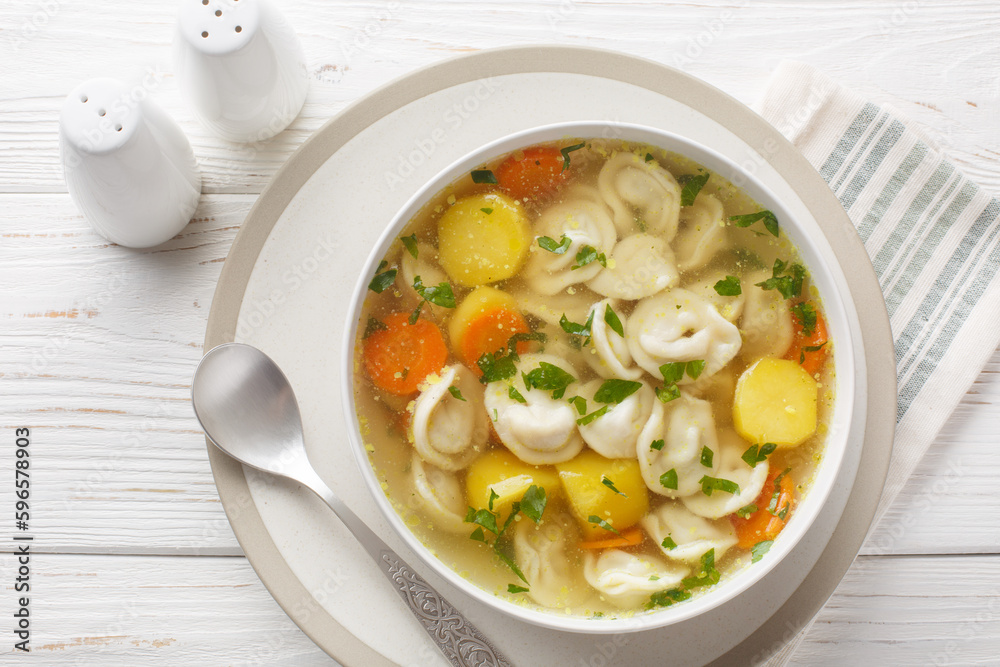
<point>459,640</point>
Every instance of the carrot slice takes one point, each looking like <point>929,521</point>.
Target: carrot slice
<point>490,332</point>
<point>399,357</point>
<point>537,174</point>
<point>762,525</point>
<point>804,347</point>
<point>628,538</point>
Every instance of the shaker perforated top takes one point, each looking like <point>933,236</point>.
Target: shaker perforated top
<point>218,27</point>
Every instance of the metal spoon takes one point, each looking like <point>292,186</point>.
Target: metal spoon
<point>248,410</point>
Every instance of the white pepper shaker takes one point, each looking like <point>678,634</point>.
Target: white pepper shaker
<point>128,166</point>
<point>241,67</point>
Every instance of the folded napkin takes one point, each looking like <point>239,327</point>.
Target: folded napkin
<point>933,237</point>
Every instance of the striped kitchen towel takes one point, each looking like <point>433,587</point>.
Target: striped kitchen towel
<point>933,237</point>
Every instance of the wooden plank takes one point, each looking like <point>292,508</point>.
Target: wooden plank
<point>353,47</point>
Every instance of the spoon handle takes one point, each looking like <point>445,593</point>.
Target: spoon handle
<point>459,640</point>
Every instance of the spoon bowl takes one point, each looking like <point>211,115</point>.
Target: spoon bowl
<point>247,408</point>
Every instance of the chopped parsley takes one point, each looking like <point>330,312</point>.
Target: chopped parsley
<point>440,295</point>
<point>410,242</point>
<point>513,393</point>
<point>810,348</point>
<point>533,503</point>
<point>588,255</point>
<point>772,506</point>
<point>483,176</point>
<point>558,247</point>
<point>657,445</point>
<point>695,367</point>
<point>602,523</point>
<point>611,485</point>
<point>672,372</point>
<point>600,412</point>
<point>487,211</point>
<point>668,480</point>
<point>667,598</point>
<point>548,377</point>
<point>456,392</point>
<point>514,588</point>
<point>758,453</point>
<point>616,391</point>
<point>710,484</point>
<point>493,497</point>
<point>707,576</point>
<point>649,157</point>
<point>770,220</point>
<point>758,550</point>
<point>668,543</point>
<point>580,403</point>
<point>373,326</point>
<point>806,314</point>
<point>382,279</point>
<point>566,151</point>
<point>611,319</point>
<point>574,329</point>
<point>707,455</point>
<point>728,286</point>
<point>745,511</point>
<point>788,285</point>
<point>500,365</point>
<point>692,185</point>
<point>668,393</point>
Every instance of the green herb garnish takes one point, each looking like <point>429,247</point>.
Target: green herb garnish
<point>611,485</point>
<point>602,523</point>
<point>667,598</point>
<point>707,455</point>
<point>668,543</point>
<point>669,479</point>
<point>487,211</point>
<point>440,295</point>
<point>692,185</point>
<point>493,497</point>
<point>456,392</point>
<point>373,326</point>
<point>772,506</point>
<point>616,391</point>
<point>500,365</point>
<point>410,242</point>
<point>758,550</point>
<point>513,393</point>
<point>757,453</point>
<point>550,244</point>
<point>668,393</point>
<point>382,280</point>
<point>745,511</point>
<point>483,176</point>
<point>770,220</point>
<point>694,368</point>
<point>649,157</point>
<point>574,329</point>
<point>566,151</point>
<point>788,285</point>
<point>483,518</point>
<point>533,503</point>
<point>673,372</point>
<point>587,255</point>
<point>514,588</point>
<point>600,412</point>
<point>707,576</point>
<point>548,377</point>
<point>806,314</point>
<point>580,403</point>
<point>657,445</point>
<point>728,286</point>
<point>710,484</point>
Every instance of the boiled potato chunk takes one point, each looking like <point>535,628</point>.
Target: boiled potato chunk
<point>509,477</point>
<point>775,402</point>
<point>483,239</point>
<point>588,496</point>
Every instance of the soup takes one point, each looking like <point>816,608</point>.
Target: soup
<point>593,377</point>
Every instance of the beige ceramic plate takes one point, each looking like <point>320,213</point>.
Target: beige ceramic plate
<point>284,288</point>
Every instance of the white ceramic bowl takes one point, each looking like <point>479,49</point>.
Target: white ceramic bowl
<point>825,274</point>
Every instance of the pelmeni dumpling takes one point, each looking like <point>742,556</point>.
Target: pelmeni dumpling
<point>542,430</point>
<point>550,308</point>
<point>693,535</point>
<point>686,426</point>
<point>615,433</point>
<point>425,265</point>
<point>439,494</point>
<point>542,552</point>
<point>448,432</point>
<point>678,325</point>
<point>643,195</point>
<point>735,469</point>
<point>701,234</point>
<point>585,223</point>
<point>730,307</point>
<point>608,352</point>
<point>640,266</point>
<point>626,580</point>
<point>767,322</point>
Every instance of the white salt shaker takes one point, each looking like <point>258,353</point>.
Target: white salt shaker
<point>128,166</point>
<point>241,66</point>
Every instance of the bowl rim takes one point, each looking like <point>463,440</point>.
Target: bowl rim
<point>816,252</point>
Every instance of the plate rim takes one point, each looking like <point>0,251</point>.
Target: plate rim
<point>247,523</point>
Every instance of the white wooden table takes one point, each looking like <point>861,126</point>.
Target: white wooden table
<point>133,559</point>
